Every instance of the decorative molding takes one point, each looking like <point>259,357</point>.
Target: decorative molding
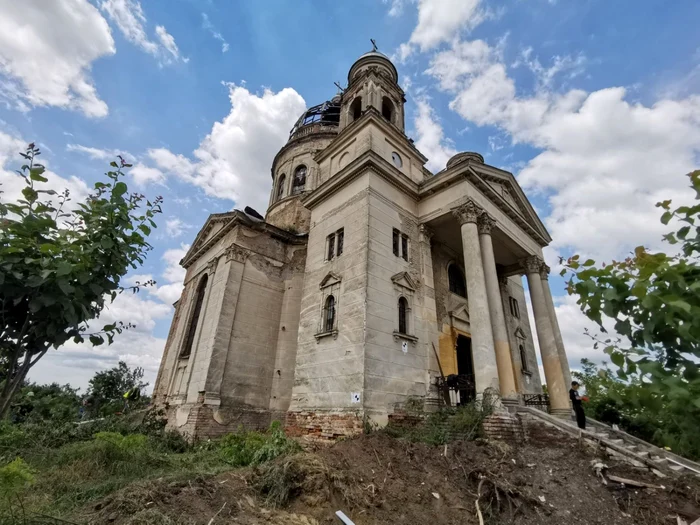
<point>212,264</point>
<point>398,335</point>
<point>468,212</point>
<point>404,280</point>
<point>237,253</point>
<point>329,280</point>
<point>321,335</point>
<point>532,264</point>
<point>520,334</point>
<point>544,272</point>
<point>485,224</point>
<point>425,232</point>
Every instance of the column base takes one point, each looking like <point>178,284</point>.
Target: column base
<point>511,404</point>
<point>561,413</point>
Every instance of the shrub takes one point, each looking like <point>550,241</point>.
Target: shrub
<point>253,448</point>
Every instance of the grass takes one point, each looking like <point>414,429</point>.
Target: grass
<point>40,476</point>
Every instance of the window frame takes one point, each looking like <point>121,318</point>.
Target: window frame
<point>403,310</point>
<point>194,317</point>
<point>330,247</point>
<point>297,187</point>
<point>329,314</point>
<point>523,358</point>
<point>340,242</point>
<point>514,307</point>
<point>279,194</point>
<point>452,267</point>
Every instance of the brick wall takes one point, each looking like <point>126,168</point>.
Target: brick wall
<point>324,427</point>
<point>504,427</point>
<point>203,423</point>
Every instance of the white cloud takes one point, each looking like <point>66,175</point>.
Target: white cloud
<point>46,52</point>
<point>144,175</point>
<point>174,227</point>
<point>174,275</point>
<point>431,138</point>
<point>233,161</point>
<point>604,162</point>
<point>206,24</point>
<point>439,21</point>
<point>94,153</point>
<point>128,16</point>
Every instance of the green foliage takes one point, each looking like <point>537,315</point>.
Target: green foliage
<point>107,388</point>
<point>60,267</point>
<point>37,403</point>
<point>15,478</point>
<point>653,302</point>
<point>253,448</point>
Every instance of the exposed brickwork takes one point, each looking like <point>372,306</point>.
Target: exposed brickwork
<point>504,427</point>
<point>202,421</point>
<point>323,427</point>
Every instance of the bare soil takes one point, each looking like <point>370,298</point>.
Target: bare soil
<point>377,479</point>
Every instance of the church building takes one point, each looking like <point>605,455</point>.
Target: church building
<point>368,281</point>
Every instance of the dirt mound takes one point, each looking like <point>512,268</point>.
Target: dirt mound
<point>380,480</point>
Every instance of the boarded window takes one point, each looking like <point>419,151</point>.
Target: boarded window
<point>194,320</point>
<point>456,280</point>
<point>403,310</point>
<point>329,314</point>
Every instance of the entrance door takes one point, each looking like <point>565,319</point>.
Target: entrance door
<point>465,369</point>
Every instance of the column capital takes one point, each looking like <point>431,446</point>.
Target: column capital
<point>485,223</point>
<point>532,264</point>
<point>503,282</point>
<point>467,212</point>
<point>544,271</point>
<point>236,253</point>
<point>211,265</point>
<point>426,232</point>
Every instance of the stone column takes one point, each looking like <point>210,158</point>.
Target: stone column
<point>558,394</point>
<point>504,361</point>
<point>234,266</point>
<point>544,274</point>
<point>485,368</point>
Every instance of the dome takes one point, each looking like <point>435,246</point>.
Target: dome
<point>465,156</point>
<point>373,57</point>
<point>326,114</point>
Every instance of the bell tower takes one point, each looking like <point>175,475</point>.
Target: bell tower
<point>373,82</point>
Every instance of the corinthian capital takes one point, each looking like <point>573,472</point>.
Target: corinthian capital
<point>236,253</point>
<point>532,264</point>
<point>485,223</point>
<point>544,271</point>
<point>211,265</point>
<point>467,212</point>
<point>426,233</point>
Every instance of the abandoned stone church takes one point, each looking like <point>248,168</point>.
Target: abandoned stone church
<point>369,280</point>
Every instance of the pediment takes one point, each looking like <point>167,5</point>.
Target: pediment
<point>461,313</point>
<point>404,280</point>
<point>329,280</point>
<point>520,334</point>
<point>215,226</point>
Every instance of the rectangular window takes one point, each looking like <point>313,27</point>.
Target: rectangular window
<point>514,309</point>
<point>340,236</point>
<point>395,241</point>
<point>404,247</point>
<point>331,246</point>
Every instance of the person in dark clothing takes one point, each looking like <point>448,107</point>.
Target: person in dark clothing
<point>577,403</point>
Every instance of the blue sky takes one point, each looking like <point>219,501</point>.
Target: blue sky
<point>592,104</point>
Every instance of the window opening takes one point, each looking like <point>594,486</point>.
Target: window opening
<point>329,314</point>
<point>456,280</point>
<point>299,180</point>
<point>404,247</point>
<point>356,108</point>
<point>514,308</point>
<point>280,187</point>
<point>523,359</point>
<point>403,307</point>
<point>340,236</point>
<point>395,241</point>
<point>331,246</point>
<point>387,109</point>
<point>201,289</point>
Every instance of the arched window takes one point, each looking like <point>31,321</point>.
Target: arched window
<point>356,108</point>
<point>299,182</point>
<point>387,109</point>
<point>403,310</point>
<point>329,314</point>
<point>523,359</point>
<point>280,186</point>
<point>194,320</point>
<point>456,279</point>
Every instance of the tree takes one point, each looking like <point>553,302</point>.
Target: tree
<point>60,267</point>
<point>653,301</point>
<point>110,385</point>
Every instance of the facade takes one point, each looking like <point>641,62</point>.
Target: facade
<point>368,278</point>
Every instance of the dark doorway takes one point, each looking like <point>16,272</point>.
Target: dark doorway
<point>465,369</point>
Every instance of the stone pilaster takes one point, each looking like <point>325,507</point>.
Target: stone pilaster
<point>485,367</point>
<point>504,362</point>
<point>544,274</point>
<point>558,394</point>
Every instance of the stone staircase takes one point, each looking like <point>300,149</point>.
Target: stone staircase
<point>620,443</point>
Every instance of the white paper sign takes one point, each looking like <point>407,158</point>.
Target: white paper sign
<point>355,397</point>
<point>404,347</point>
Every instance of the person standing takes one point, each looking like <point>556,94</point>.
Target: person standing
<point>577,403</point>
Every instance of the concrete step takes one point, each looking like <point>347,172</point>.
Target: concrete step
<point>617,441</point>
<point>677,468</point>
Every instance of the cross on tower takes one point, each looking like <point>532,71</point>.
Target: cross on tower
<point>374,44</point>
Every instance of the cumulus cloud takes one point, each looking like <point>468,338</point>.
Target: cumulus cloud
<point>206,24</point>
<point>128,16</point>
<point>439,21</point>
<point>604,162</point>
<point>173,275</point>
<point>174,227</point>
<point>46,52</point>
<point>233,161</point>
<point>142,174</point>
<point>431,139</point>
